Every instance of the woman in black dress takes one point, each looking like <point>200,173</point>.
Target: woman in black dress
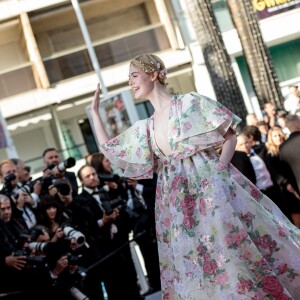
<point>282,174</point>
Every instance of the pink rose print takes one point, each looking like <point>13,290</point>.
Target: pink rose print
<point>272,286</point>
<point>262,264</point>
<point>221,278</point>
<point>241,236</point>
<point>221,166</point>
<point>258,296</point>
<point>114,141</point>
<point>122,153</point>
<point>243,286</point>
<point>176,181</point>
<point>255,193</point>
<point>200,248</point>
<point>188,205</point>
<point>202,207</point>
<point>188,222</point>
<point>138,152</point>
<point>247,254</point>
<point>186,126</point>
<point>247,217</point>
<point>282,232</point>
<point>206,256</point>
<point>209,267</point>
<point>283,297</point>
<point>282,268</point>
<point>167,222</point>
<point>230,239</point>
<point>266,242</point>
<point>204,183</point>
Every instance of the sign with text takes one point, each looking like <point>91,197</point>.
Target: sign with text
<point>268,8</point>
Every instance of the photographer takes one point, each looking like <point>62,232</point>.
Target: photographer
<point>55,169</point>
<point>110,228</point>
<point>33,187</point>
<point>22,202</point>
<point>18,277</point>
<point>63,265</point>
<point>140,197</point>
<point>80,217</point>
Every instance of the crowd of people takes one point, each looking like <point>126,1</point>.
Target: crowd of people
<point>204,229</point>
<point>59,240</point>
<point>267,153</point>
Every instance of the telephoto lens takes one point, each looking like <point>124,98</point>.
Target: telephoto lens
<point>70,232</point>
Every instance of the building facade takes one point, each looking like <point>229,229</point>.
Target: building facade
<point>47,76</point>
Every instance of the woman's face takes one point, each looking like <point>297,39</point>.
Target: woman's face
<point>277,138</point>
<point>140,82</point>
<point>106,165</point>
<point>51,212</point>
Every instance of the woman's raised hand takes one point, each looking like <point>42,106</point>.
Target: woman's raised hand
<point>96,100</point>
<point>100,131</point>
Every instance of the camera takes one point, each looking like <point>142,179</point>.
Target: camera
<point>27,187</point>
<point>7,186</point>
<point>74,259</point>
<point>109,177</point>
<point>71,233</point>
<point>110,205</point>
<point>61,167</point>
<point>32,261</point>
<point>62,187</point>
<point>38,247</point>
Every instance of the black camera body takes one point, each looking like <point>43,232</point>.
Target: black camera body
<point>7,186</point>
<point>110,205</point>
<point>109,177</point>
<point>32,261</point>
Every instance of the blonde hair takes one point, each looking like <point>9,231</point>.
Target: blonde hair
<point>271,147</point>
<point>151,63</point>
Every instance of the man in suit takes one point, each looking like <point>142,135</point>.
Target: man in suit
<point>119,275</point>
<point>289,150</point>
<point>52,160</point>
<point>242,162</point>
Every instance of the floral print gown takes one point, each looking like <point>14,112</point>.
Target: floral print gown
<point>219,237</point>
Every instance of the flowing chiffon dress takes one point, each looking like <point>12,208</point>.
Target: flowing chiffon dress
<point>218,236</point>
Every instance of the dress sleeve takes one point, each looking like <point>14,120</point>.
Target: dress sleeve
<point>131,151</point>
<point>201,124</point>
<point>210,115</point>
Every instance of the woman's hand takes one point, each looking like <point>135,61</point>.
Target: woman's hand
<point>100,131</point>
<point>96,100</point>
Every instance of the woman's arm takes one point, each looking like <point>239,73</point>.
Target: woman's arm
<point>100,132</point>
<point>228,147</point>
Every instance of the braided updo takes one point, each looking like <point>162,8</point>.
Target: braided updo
<point>150,63</point>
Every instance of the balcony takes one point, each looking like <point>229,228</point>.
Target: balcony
<point>71,63</point>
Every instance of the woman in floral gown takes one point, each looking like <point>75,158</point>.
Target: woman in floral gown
<point>218,236</point>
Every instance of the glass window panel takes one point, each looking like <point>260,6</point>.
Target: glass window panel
<point>108,54</point>
<point>23,77</point>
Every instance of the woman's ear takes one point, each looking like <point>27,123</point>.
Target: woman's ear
<point>154,76</point>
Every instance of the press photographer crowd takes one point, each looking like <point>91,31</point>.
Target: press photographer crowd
<point>59,240</point>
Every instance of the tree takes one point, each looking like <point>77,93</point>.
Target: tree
<point>216,58</point>
<point>264,78</point>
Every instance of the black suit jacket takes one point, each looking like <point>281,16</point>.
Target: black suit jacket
<point>242,162</point>
<point>101,235</point>
<point>289,152</point>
